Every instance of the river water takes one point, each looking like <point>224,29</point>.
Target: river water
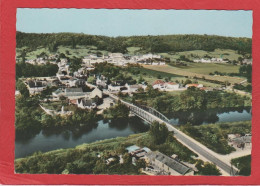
<point>49,140</point>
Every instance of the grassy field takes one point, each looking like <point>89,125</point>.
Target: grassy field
<point>186,72</point>
<point>151,76</point>
<point>133,50</point>
<point>80,51</point>
<point>218,53</point>
<point>203,68</point>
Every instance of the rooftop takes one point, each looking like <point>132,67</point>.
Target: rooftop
<point>172,163</point>
<point>132,148</point>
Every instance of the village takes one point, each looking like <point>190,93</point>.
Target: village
<point>76,90</point>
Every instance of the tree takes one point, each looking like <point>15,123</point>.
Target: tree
<point>207,168</point>
<point>22,88</point>
<point>159,132</point>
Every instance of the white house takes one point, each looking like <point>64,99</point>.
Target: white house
<point>159,84</point>
<point>114,88</point>
<point>172,86</point>
<point>86,104</point>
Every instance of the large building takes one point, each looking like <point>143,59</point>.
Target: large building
<point>169,165</point>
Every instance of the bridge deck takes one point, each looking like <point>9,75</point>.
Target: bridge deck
<point>183,138</point>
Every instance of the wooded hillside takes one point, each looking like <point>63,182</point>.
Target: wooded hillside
<point>163,43</point>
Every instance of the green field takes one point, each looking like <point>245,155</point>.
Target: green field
<point>195,54</point>
<point>203,68</point>
<point>79,51</point>
<point>187,72</point>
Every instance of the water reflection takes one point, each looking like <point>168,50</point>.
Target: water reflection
<point>198,117</point>
<point>50,140</point>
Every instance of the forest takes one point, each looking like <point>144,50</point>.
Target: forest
<point>162,43</point>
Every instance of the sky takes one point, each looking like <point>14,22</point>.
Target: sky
<point>126,22</point>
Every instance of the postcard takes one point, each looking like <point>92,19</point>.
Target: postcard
<point>131,95</point>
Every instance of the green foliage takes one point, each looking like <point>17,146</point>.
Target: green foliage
<point>214,136</point>
<point>22,88</point>
<point>119,111</point>
<point>246,71</point>
<point>191,99</point>
<point>163,43</point>
<point>207,168</point>
<point>27,116</point>
<point>243,164</point>
<point>29,70</point>
<point>159,133</point>
<point>75,64</point>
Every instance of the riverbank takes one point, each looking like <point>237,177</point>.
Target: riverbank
<point>89,158</point>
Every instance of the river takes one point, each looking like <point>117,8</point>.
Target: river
<point>198,117</point>
<point>49,140</point>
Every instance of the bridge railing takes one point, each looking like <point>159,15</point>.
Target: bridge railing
<point>146,108</point>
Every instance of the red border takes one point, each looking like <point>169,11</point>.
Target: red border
<point>7,88</point>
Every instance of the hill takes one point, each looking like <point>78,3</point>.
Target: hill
<point>155,44</point>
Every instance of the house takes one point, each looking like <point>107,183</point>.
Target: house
<point>247,61</point>
<point>64,79</point>
<point>168,165</point>
<point>75,93</point>
<point>233,136</point>
<point>86,103</point>
<point>172,86</point>
<point>133,88</point>
<point>137,152</point>
<point>242,142</point>
<point>76,82</point>
<point>71,93</point>
<point>35,86</point>
<point>194,85</point>
<point>116,86</point>
<point>101,81</point>
<point>96,93</point>
<point>159,84</point>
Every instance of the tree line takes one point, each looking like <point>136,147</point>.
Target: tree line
<point>155,44</point>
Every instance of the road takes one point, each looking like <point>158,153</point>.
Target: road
<point>199,150</point>
<point>188,141</point>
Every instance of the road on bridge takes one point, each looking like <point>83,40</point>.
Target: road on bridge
<point>187,141</point>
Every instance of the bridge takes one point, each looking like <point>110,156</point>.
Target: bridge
<point>150,115</point>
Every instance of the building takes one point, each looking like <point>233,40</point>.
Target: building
<point>242,142</point>
<point>73,82</point>
<point>194,85</point>
<point>159,84</point>
<point>86,104</point>
<point>168,165</point>
<point>35,86</point>
<point>172,86</point>
<point>133,88</point>
<point>247,61</point>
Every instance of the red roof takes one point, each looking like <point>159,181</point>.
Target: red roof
<point>192,85</point>
<point>158,82</point>
<point>73,101</point>
<point>171,83</point>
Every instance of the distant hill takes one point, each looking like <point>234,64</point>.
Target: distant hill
<point>162,43</point>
